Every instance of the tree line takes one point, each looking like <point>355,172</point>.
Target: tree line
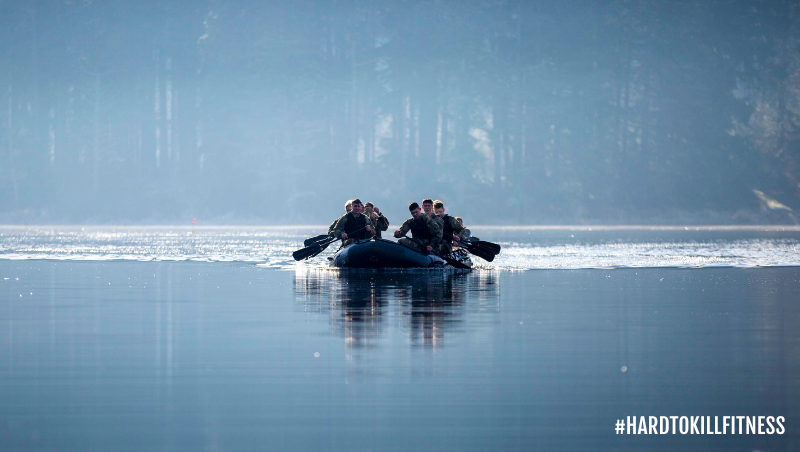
<point>628,111</point>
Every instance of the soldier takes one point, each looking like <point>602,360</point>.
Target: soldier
<point>426,232</point>
<point>427,206</point>
<point>467,232</point>
<point>451,229</point>
<point>347,208</point>
<point>379,222</point>
<point>354,225</point>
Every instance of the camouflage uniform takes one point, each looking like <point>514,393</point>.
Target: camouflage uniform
<point>450,226</point>
<point>425,230</point>
<point>351,222</point>
<point>379,222</point>
<point>332,227</point>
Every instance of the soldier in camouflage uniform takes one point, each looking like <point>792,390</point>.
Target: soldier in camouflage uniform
<point>379,222</point>
<point>427,208</point>
<point>354,225</point>
<point>467,232</point>
<point>426,231</point>
<point>452,230</point>
<point>347,207</point>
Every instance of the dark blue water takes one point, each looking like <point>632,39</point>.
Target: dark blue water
<point>131,356</point>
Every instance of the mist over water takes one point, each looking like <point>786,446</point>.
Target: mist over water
<point>523,248</point>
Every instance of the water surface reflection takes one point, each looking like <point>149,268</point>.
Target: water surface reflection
<point>130,356</point>
<point>426,304</point>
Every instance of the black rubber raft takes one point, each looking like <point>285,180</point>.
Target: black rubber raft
<point>379,253</point>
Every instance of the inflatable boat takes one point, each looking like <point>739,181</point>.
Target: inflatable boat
<point>380,253</point>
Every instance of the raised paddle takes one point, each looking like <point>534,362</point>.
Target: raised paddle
<point>488,246</point>
<point>453,262</point>
<point>478,249</point>
<point>316,248</point>
<point>313,249</point>
<point>317,239</point>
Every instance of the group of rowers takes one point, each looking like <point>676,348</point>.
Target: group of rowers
<point>432,230</point>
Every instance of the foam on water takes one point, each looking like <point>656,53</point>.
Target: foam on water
<point>523,247</point>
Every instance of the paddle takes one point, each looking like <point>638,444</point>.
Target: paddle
<point>480,252</point>
<point>313,249</point>
<point>484,250</point>
<point>488,246</point>
<point>310,241</point>
<point>316,248</point>
<point>453,262</point>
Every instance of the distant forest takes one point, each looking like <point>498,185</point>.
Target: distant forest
<point>528,112</point>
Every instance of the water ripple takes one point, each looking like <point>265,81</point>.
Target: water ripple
<point>523,248</point>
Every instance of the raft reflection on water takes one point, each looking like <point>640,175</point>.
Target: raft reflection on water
<point>428,303</point>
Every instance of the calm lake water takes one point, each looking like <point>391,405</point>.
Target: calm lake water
<point>524,248</point>
<point>116,339</point>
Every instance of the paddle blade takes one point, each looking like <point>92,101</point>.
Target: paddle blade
<point>480,252</point>
<point>311,251</point>
<point>488,246</point>
<point>306,252</point>
<point>489,250</point>
<point>313,240</point>
<point>321,249</point>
